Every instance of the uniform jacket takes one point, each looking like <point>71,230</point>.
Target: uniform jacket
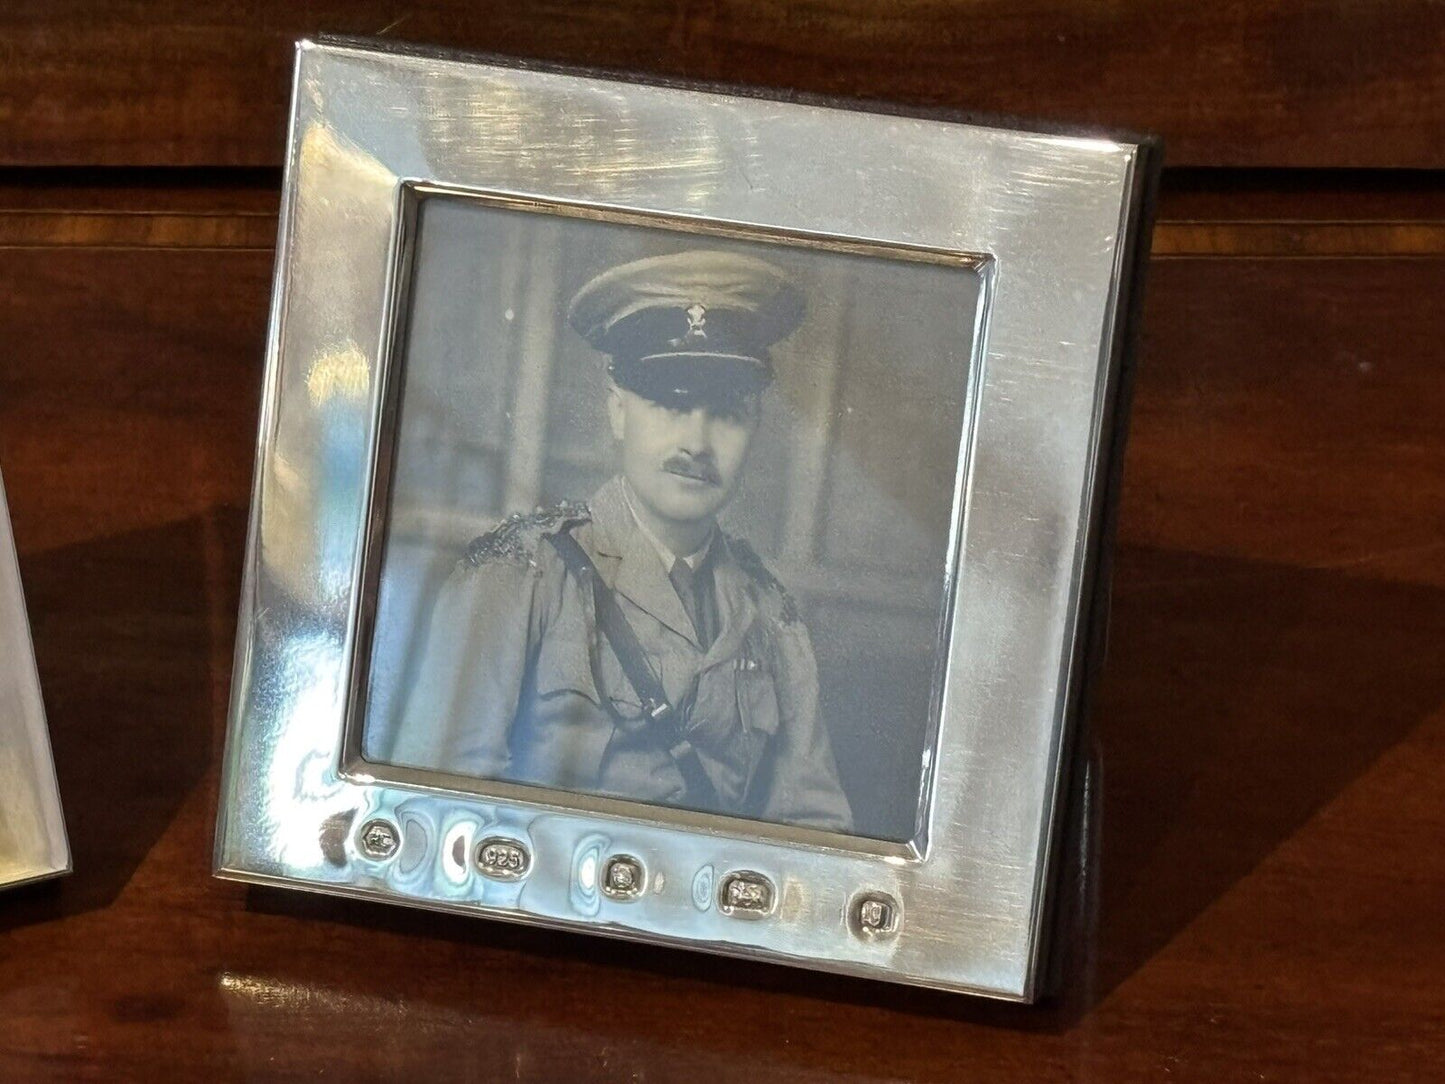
<point>516,683</point>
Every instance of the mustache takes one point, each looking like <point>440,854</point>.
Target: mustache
<point>700,467</point>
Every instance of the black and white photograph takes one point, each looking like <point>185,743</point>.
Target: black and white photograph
<point>668,514</point>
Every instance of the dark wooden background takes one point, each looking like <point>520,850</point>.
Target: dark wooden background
<point>1272,713</point>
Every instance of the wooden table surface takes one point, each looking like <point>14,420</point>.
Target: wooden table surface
<point>1271,881</point>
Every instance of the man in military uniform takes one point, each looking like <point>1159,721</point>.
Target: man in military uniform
<point>629,646</point>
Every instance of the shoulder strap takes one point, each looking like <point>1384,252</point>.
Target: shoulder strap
<point>614,626</point>
<point>612,622</point>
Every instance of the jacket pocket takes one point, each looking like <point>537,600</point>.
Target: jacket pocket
<point>758,708</point>
<point>758,704</point>
<point>564,667</point>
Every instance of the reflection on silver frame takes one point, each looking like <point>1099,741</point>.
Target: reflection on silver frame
<point>1052,222</point>
<point>32,832</point>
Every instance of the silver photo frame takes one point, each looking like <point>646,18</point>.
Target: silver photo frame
<point>917,325</point>
<point>33,844</point>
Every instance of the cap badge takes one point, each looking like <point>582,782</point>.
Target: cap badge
<point>696,319</point>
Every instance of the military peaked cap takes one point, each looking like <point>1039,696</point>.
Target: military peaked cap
<point>694,321</point>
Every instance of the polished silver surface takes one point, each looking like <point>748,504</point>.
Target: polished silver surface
<point>32,832</point>
<point>1045,217</point>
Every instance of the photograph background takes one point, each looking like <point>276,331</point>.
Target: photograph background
<point>847,496</point>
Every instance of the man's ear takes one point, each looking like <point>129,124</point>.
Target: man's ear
<point>616,413</point>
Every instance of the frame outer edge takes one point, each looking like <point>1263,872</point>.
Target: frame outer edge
<point>1098,514</point>
<point>1079,797</point>
<point>270,392</point>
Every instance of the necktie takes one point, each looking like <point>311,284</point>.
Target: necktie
<point>695,591</point>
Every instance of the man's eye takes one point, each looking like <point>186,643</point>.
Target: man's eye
<point>738,410</point>
<point>682,403</point>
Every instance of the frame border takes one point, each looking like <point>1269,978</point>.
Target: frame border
<point>1062,221</point>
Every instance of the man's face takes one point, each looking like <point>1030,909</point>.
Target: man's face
<point>683,459</point>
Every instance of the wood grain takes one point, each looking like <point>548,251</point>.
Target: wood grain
<point>1194,223</point>
<point>1270,719</point>
<point>1279,83</point>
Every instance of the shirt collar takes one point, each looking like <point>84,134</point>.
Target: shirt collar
<point>692,560</point>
